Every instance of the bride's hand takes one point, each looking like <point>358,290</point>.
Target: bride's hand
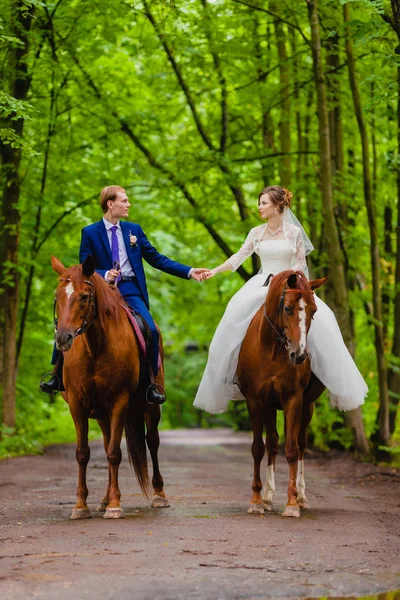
<point>210,274</point>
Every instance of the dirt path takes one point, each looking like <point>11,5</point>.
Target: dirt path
<point>204,545</point>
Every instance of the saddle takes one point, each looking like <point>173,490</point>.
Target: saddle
<point>141,331</point>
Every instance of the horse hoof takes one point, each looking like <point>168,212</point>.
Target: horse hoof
<point>80,513</point>
<point>291,511</point>
<point>159,502</point>
<point>114,513</point>
<point>102,505</point>
<point>255,509</point>
<point>303,503</point>
<point>267,505</point>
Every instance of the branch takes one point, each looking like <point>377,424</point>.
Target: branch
<point>178,73</point>
<point>125,128</point>
<point>222,81</point>
<point>275,16</point>
<point>272,155</point>
<point>235,189</point>
<point>60,218</point>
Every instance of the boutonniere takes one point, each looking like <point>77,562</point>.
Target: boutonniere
<point>132,240</point>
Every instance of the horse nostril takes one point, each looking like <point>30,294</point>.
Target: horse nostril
<point>64,338</point>
<point>301,358</point>
<point>293,357</point>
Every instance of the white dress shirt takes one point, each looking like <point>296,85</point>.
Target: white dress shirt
<point>125,265</point>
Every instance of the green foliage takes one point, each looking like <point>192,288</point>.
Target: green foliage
<point>107,105</point>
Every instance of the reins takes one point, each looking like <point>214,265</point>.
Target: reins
<point>280,333</point>
<point>85,324</point>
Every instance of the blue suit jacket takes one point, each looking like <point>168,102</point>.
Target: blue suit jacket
<point>95,242</point>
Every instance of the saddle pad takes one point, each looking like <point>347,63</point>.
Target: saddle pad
<point>138,333</point>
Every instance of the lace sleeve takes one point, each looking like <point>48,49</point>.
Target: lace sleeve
<point>245,251</point>
<point>300,256</point>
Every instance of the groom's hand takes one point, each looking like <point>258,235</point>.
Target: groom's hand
<point>111,275</point>
<point>198,274</point>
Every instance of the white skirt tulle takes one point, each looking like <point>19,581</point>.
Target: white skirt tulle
<point>330,360</point>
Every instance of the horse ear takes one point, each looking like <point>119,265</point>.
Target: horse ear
<point>316,283</point>
<point>57,265</point>
<point>88,266</point>
<point>268,280</point>
<point>292,281</point>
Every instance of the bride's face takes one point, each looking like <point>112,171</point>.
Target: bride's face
<point>266,207</point>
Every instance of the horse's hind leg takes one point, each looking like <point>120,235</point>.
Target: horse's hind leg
<point>81,422</point>
<point>114,455</point>
<point>308,410</point>
<point>271,443</point>
<point>153,442</point>
<point>313,390</point>
<point>257,450</point>
<point>105,427</point>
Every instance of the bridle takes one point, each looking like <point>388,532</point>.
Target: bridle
<point>279,330</point>
<point>85,323</point>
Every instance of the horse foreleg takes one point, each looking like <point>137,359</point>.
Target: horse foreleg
<point>153,442</point>
<point>81,422</point>
<point>257,450</point>
<point>292,427</point>
<point>114,456</point>
<point>105,427</point>
<point>308,410</point>
<point>271,444</point>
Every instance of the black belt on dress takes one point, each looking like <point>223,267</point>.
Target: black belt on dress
<point>127,277</point>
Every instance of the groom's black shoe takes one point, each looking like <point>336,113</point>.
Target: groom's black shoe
<point>52,386</point>
<point>55,383</point>
<point>154,395</point>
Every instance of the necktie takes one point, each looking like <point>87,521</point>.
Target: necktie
<point>115,249</point>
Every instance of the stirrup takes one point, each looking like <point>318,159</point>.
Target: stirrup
<point>45,382</point>
<point>159,389</point>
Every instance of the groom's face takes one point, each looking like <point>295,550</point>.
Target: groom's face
<point>120,206</point>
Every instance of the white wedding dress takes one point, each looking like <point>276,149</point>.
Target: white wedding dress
<point>330,360</point>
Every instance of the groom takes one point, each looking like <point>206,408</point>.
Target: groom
<point>118,248</point>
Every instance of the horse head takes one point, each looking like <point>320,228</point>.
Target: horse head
<point>294,312</point>
<point>74,303</point>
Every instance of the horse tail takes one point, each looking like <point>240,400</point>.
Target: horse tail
<point>136,446</point>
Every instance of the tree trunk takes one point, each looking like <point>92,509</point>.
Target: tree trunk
<point>267,127</point>
<point>384,435</point>
<point>284,79</point>
<point>335,256</point>
<point>19,82</point>
<point>394,374</point>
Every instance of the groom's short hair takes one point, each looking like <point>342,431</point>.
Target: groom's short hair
<point>109,193</point>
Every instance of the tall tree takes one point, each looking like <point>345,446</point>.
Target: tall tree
<point>335,255</point>
<point>393,19</point>
<point>284,85</point>
<point>18,81</point>
<point>384,434</point>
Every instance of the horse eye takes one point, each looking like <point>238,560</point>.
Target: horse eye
<point>289,309</point>
<point>84,296</point>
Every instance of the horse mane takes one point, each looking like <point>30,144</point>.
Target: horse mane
<point>108,297</point>
<point>277,284</point>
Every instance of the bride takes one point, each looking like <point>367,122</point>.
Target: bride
<point>282,244</point>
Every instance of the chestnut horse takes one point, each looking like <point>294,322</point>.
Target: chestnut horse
<point>102,381</point>
<point>274,373</point>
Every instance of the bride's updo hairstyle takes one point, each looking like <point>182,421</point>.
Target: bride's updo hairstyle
<point>280,197</point>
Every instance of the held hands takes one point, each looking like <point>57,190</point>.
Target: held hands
<point>199,274</point>
<point>211,273</point>
<point>203,274</point>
